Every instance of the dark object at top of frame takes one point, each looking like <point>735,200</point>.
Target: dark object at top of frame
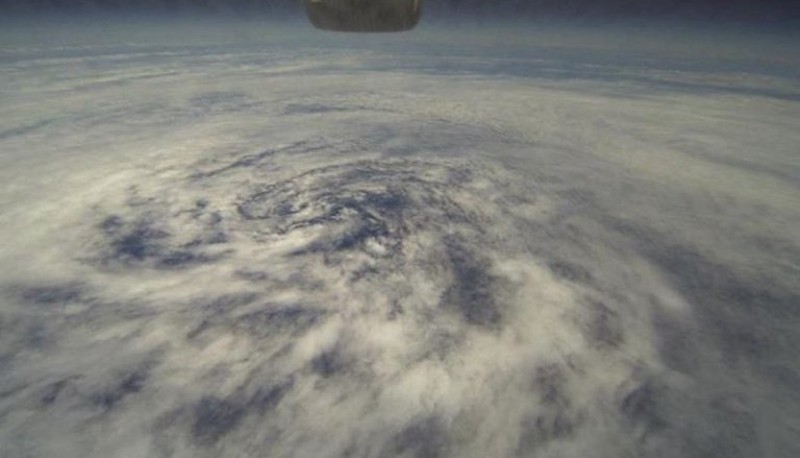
<point>364,15</point>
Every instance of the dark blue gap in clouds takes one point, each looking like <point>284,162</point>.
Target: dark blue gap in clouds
<point>741,311</point>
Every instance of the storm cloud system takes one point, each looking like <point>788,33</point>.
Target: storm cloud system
<point>243,238</point>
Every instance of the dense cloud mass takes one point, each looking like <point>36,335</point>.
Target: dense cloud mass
<point>424,245</point>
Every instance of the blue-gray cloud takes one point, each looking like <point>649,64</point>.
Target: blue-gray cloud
<point>568,243</point>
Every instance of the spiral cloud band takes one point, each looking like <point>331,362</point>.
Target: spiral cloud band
<point>414,250</point>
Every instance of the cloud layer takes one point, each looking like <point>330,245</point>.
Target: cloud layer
<point>397,249</point>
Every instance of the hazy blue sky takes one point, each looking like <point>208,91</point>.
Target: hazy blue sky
<point>772,10</point>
